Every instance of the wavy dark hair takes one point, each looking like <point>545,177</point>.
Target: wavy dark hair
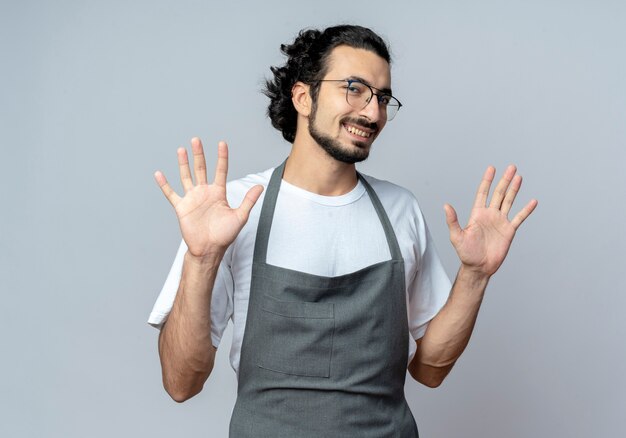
<point>307,61</point>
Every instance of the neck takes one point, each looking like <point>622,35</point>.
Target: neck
<point>311,168</point>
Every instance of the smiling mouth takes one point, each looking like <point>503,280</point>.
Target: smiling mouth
<point>356,131</point>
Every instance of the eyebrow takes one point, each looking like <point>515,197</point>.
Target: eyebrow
<point>360,79</point>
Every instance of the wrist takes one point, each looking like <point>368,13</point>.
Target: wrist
<point>211,260</point>
<point>472,277</point>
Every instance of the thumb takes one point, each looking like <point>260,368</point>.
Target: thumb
<point>452,220</point>
<point>248,202</point>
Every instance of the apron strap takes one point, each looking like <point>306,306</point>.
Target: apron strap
<point>267,215</point>
<point>269,205</point>
<point>392,241</point>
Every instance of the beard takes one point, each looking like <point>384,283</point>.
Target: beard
<point>334,148</point>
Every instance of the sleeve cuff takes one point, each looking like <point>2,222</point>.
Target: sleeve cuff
<point>157,319</point>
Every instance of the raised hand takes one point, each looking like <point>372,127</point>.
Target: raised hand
<point>484,243</point>
<point>208,224</point>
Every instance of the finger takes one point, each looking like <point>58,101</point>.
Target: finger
<point>500,191</point>
<point>483,188</point>
<point>452,221</point>
<point>169,193</point>
<point>524,213</point>
<point>185,173</point>
<point>199,163</point>
<point>507,203</point>
<point>248,202</point>
<point>221,168</point>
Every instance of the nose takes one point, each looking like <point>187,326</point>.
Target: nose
<point>373,111</point>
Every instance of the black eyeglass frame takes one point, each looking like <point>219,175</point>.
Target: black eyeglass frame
<point>380,96</point>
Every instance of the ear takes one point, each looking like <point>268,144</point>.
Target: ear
<point>301,98</point>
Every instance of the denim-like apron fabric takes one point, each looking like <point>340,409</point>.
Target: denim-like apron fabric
<point>323,356</point>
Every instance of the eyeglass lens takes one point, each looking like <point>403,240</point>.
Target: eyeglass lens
<point>359,96</point>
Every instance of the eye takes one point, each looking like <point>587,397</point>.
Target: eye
<point>355,88</point>
<point>385,99</point>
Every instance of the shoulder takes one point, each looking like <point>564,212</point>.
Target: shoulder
<point>402,209</point>
<point>393,195</point>
<point>237,189</point>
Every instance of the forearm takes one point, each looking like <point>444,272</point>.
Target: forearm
<point>185,347</point>
<point>449,331</point>
<point>481,246</point>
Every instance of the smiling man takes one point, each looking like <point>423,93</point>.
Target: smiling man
<point>332,283</point>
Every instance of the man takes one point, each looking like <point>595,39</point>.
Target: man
<point>333,284</point>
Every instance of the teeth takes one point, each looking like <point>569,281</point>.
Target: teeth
<point>353,130</point>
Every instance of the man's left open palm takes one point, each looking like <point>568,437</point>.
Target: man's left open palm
<point>484,243</point>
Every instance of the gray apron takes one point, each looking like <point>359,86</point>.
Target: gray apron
<point>323,356</point>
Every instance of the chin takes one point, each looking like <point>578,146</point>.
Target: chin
<point>353,152</point>
<point>349,155</point>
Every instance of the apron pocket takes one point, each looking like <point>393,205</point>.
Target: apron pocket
<point>301,337</point>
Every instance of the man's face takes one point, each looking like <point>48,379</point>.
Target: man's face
<point>344,132</point>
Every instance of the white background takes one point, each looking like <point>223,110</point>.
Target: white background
<point>95,96</point>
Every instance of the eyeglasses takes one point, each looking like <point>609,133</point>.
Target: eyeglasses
<point>359,95</point>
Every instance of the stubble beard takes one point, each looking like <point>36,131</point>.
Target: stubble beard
<point>334,148</point>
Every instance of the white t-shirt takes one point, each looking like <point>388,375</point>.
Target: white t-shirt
<point>320,235</point>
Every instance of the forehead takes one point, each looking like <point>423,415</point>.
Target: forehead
<point>345,62</point>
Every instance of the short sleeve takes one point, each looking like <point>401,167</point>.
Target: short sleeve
<point>221,300</point>
<point>428,289</point>
<point>165,300</point>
